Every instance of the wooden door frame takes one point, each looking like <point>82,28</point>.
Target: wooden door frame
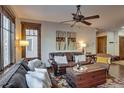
<point>28,25</point>
<point>1,42</point>
<point>120,46</point>
<point>97,43</point>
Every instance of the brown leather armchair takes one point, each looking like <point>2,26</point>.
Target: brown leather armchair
<point>104,60</point>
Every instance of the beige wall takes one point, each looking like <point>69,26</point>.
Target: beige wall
<point>48,37</point>
<point>18,37</point>
<point>88,35</point>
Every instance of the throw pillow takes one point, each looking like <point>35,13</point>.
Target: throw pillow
<point>80,58</point>
<point>36,63</point>
<point>103,60</point>
<point>60,60</point>
<point>33,82</point>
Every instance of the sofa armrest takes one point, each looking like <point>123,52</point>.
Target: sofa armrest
<point>53,64</point>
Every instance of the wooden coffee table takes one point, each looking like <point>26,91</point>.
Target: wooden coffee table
<point>94,76</point>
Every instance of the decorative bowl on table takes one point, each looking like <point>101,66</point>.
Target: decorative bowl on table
<point>80,68</point>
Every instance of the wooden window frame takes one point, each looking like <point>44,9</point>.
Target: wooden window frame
<point>27,25</point>
<point>6,10</point>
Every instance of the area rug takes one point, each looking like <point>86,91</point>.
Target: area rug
<point>121,62</point>
<point>111,82</point>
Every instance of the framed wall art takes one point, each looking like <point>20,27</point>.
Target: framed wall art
<point>65,40</point>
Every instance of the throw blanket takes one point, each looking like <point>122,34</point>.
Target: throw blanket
<point>47,80</point>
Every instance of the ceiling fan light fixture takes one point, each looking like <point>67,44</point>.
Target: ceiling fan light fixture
<point>78,17</point>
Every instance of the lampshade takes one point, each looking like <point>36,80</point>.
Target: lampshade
<point>83,45</point>
<point>23,43</point>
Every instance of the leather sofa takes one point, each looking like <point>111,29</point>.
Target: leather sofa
<point>14,77</point>
<point>61,69</point>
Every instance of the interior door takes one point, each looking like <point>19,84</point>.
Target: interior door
<point>121,47</point>
<point>102,44</point>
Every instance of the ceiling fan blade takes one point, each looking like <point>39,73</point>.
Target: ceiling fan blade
<point>85,22</point>
<point>91,17</point>
<point>73,24</point>
<point>66,21</point>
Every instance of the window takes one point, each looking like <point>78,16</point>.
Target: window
<point>32,33</point>
<point>31,50</point>
<point>7,38</point>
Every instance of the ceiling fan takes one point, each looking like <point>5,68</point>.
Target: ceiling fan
<point>78,17</point>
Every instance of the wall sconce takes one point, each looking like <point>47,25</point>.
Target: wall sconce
<point>23,43</point>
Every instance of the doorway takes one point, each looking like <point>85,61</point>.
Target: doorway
<point>121,47</point>
<point>102,44</point>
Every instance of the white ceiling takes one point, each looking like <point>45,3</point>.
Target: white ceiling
<point>110,16</point>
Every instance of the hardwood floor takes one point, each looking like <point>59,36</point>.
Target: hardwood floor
<point>117,70</point>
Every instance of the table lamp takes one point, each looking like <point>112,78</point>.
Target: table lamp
<point>83,45</point>
<point>23,43</point>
